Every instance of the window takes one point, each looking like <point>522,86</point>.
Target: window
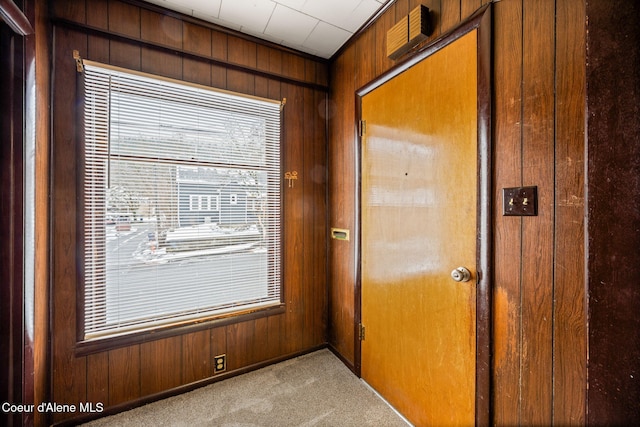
<point>160,159</point>
<point>203,203</point>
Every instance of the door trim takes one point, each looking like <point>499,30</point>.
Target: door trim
<point>480,21</point>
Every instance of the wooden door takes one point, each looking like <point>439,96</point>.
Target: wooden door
<point>419,221</point>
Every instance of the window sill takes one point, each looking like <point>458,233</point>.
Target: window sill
<point>98,345</point>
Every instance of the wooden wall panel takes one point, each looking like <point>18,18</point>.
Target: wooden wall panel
<point>197,360</point>
<point>570,326</point>
<point>538,369</point>
<point>131,374</point>
<point>69,380</point>
<point>160,363</point>
<point>293,199</point>
<point>507,230</point>
<point>124,369</point>
<point>342,161</point>
<point>537,232</point>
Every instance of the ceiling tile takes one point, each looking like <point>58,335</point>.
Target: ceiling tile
<point>293,4</point>
<point>252,14</point>
<point>175,6</point>
<point>335,12</point>
<point>206,7</point>
<point>217,21</point>
<point>361,14</point>
<point>290,25</point>
<point>326,38</point>
<point>294,23</point>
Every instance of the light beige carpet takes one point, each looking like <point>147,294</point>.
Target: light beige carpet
<point>311,390</point>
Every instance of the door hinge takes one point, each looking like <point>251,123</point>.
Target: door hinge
<point>362,127</point>
<point>361,331</point>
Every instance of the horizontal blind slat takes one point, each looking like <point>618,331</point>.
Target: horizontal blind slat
<point>182,202</point>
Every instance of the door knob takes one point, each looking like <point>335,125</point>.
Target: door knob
<point>461,274</point>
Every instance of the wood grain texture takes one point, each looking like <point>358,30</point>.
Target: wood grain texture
<point>124,372</point>
<point>160,363</point>
<point>537,243</point>
<point>538,310</point>
<point>412,236</point>
<point>131,374</point>
<point>507,230</point>
<point>68,381</point>
<point>293,200</point>
<point>341,161</point>
<point>196,358</point>
<point>98,377</point>
<point>467,7</point>
<point>538,369</point>
<point>123,18</point>
<point>450,15</point>
<point>570,312</point>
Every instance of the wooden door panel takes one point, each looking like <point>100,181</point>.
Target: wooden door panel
<point>419,221</point>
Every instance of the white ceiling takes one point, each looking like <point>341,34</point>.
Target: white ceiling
<point>318,27</point>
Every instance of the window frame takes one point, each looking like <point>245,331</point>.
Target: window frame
<point>179,326</point>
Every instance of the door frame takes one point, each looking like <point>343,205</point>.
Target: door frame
<point>480,21</point>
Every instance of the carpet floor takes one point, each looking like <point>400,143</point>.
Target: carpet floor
<point>316,389</point>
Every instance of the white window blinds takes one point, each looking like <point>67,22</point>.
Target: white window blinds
<point>181,197</point>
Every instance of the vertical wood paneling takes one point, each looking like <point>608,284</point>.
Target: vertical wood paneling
<point>98,377</point>
<point>219,45</point>
<point>401,9</point>
<point>507,230</point>
<point>293,66</point>
<point>160,363</point>
<point>238,344</point>
<point>155,62</point>
<point>124,55</point>
<point>570,320</point>
<point>244,52</point>
<point>366,58</point>
<point>308,207</point>
<point>196,357</point>
<point>450,15</point>
<point>124,374</point>
<point>537,250</point>
<point>467,7</point>
<point>538,371</point>
<point>98,16</point>
<point>196,39</point>
<point>380,27</point>
<point>319,176</point>
<point>342,162</point>
<point>240,81</point>
<point>293,199</point>
<point>72,9</point>
<point>128,374</point>
<point>161,29</point>
<point>124,18</point>
<point>69,380</point>
<point>196,71</point>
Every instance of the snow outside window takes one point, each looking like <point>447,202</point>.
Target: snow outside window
<point>161,157</point>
